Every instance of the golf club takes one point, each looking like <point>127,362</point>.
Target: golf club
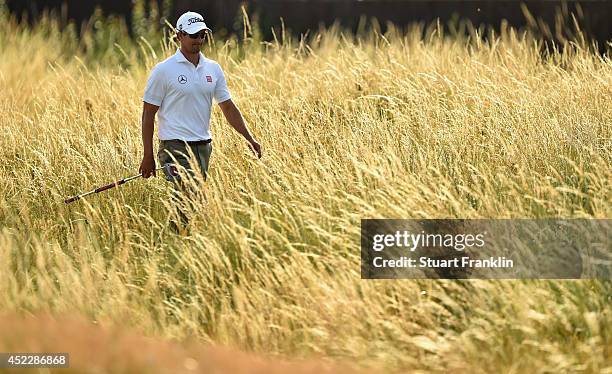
<point>170,171</point>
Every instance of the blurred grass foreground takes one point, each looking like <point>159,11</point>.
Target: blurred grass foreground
<point>405,124</point>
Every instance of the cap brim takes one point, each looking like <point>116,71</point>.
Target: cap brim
<point>196,27</point>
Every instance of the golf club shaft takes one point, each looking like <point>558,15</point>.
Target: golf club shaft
<point>104,188</point>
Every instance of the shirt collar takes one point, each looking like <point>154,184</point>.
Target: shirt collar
<point>179,57</point>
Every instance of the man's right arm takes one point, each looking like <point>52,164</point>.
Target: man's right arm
<point>153,96</point>
<point>147,166</point>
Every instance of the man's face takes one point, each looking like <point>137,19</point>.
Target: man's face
<point>191,43</point>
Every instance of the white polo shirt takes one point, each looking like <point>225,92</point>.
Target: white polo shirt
<point>184,94</point>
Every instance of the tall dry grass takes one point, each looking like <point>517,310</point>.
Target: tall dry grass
<point>93,348</point>
<point>396,125</point>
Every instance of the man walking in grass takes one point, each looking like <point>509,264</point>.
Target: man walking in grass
<point>181,89</point>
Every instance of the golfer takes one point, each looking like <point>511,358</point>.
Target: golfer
<point>181,89</point>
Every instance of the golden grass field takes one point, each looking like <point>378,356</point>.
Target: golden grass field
<point>393,126</point>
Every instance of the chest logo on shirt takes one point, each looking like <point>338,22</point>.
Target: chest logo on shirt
<point>182,79</point>
<point>209,79</point>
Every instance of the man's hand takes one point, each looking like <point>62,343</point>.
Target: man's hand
<point>256,148</point>
<point>147,166</point>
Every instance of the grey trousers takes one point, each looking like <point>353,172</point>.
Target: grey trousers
<point>180,150</point>
<point>171,150</point>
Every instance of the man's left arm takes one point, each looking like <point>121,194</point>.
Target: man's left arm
<point>235,119</point>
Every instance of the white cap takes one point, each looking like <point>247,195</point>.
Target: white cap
<point>191,22</point>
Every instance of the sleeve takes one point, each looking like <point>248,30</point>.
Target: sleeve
<point>221,93</point>
<point>156,87</point>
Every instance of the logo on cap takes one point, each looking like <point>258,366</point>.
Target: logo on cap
<point>194,20</point>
